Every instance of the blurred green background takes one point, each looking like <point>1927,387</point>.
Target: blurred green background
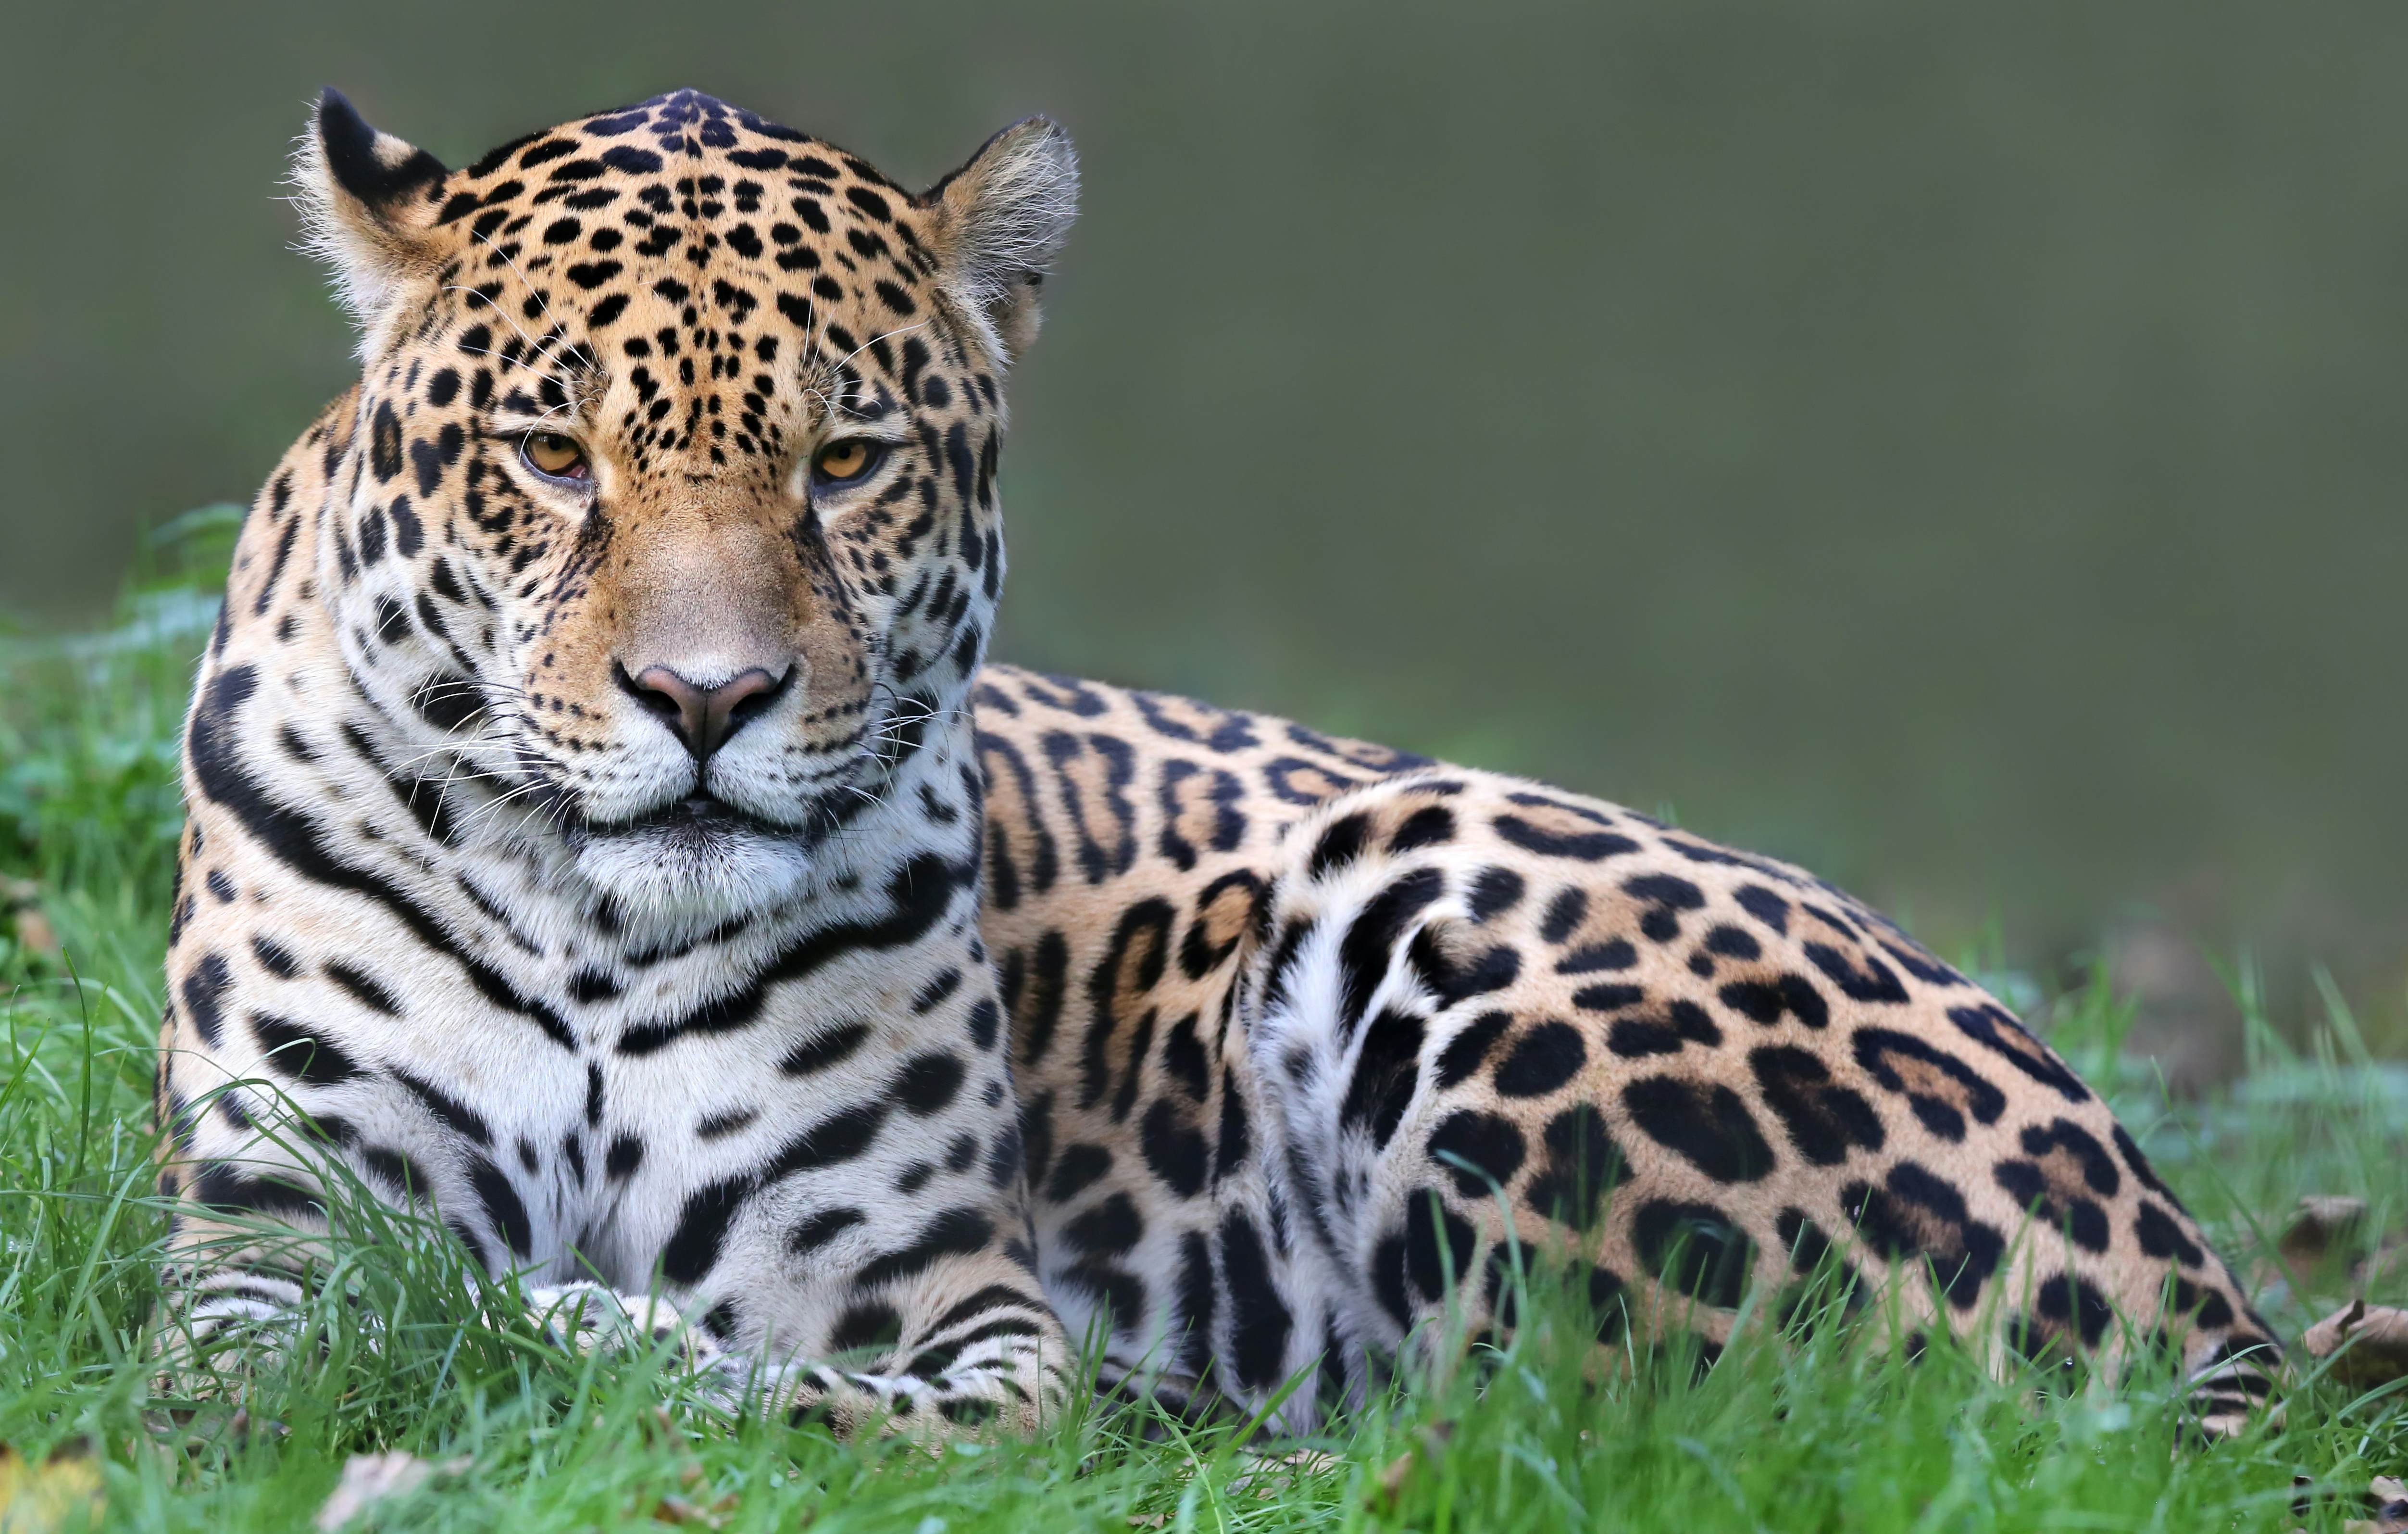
<point>1957,446</point>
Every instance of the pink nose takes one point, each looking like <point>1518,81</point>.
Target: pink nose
<point>702,717</point>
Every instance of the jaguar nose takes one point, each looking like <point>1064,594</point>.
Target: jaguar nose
<point>703,716</point>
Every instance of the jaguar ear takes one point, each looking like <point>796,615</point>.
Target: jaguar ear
<point>368,204</point>
<point>1001,221</point>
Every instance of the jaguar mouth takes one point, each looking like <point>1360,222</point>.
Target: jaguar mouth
<point>694,860</point>
<point>698,819</point>
<point>699,857</point>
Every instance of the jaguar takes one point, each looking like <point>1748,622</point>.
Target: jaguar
<point>610,843</point>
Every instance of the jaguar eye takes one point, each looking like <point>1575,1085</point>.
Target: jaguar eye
<point>555,456</point>
<point>842,462</point>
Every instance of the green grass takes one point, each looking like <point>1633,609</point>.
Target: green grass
<point>1823,1433</point>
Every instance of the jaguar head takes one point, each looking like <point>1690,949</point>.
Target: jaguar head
<point>669,514</point>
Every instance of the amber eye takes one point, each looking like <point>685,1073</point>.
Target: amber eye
<point>842,462</point>
<point>556,456</point>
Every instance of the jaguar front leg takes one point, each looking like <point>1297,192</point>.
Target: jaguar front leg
<point>587,1318</point>
<point>945,1333</point>
<point>860,1248</point>
<point>972,1349</point>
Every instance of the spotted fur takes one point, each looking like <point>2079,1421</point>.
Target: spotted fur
<point>1314,1038</point>
<point>915,1018</point>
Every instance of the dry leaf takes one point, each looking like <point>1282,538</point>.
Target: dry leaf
<point>2384,1496</point>
<point>674,1508</point>
<point>2390,1500</point>
<point>2377,1344</point>
<point>23,898</point>
<point>2323,1230</point>
<point>2324,1221</point>
<point>35,933</point>
<point>1399,1472</point>
<point>243,1425</point>
<point>370,1479</point>
<point>61,1492</point>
